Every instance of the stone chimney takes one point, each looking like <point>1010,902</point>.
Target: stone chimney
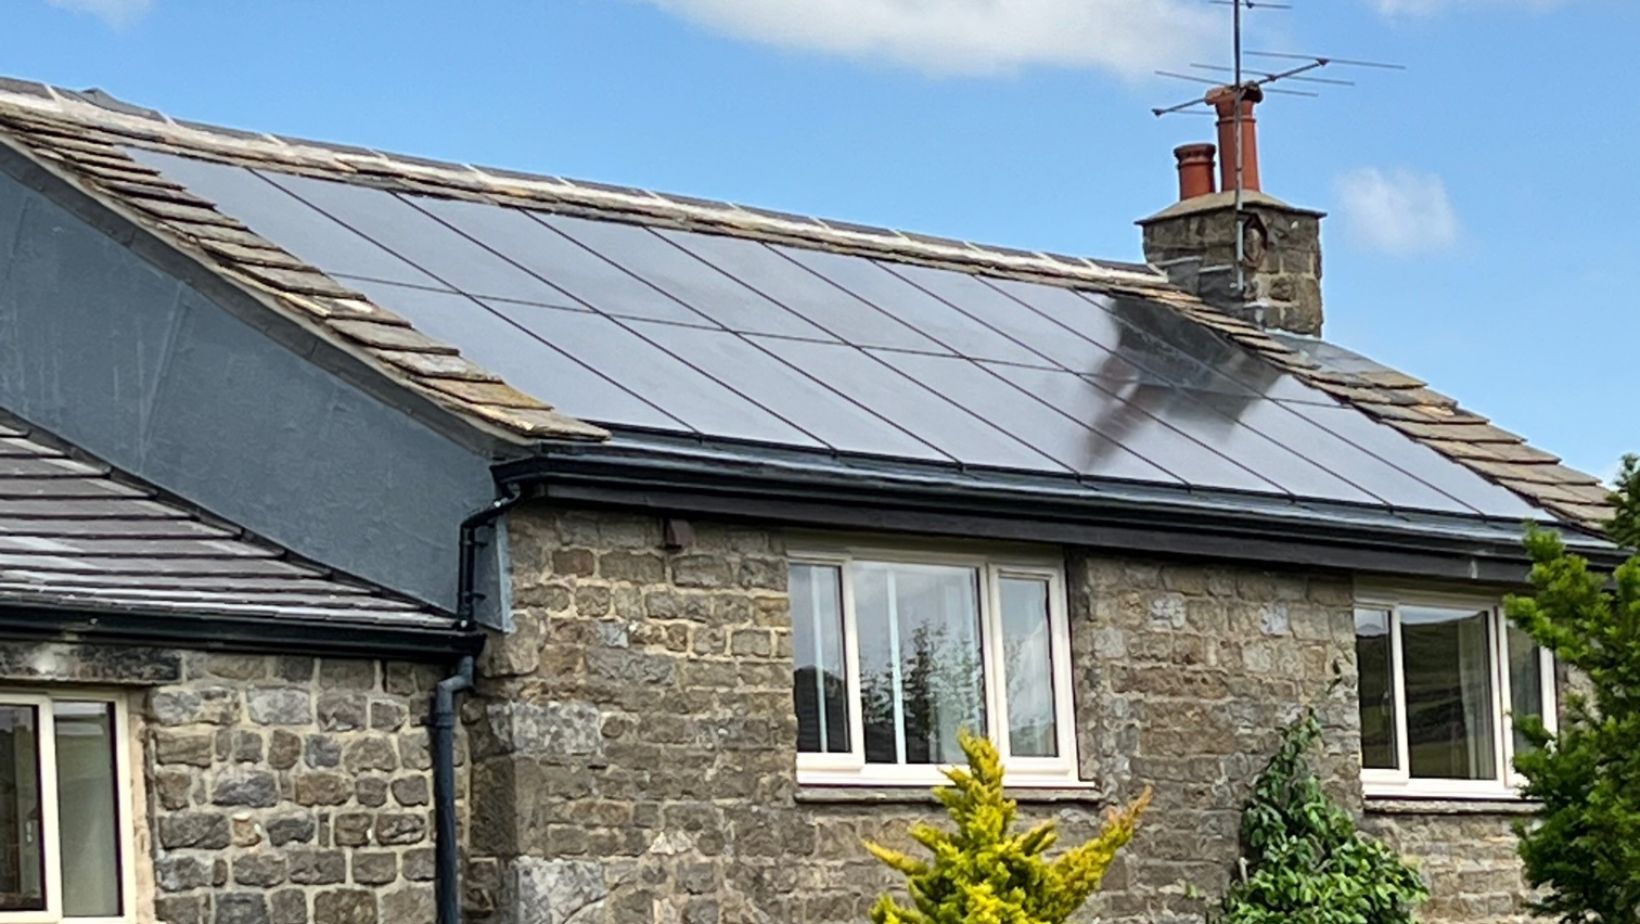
<point>1194,240</point>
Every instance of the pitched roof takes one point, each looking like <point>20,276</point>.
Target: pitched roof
<point>104,144</point>
<point>78,535</point>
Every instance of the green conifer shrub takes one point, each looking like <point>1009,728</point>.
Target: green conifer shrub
<point>1582,852</point>
<point>983,873</point>
<point>1304,860</point>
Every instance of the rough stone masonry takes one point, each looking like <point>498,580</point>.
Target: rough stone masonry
<point>633,741</point>
<point>633,749</point>
<point>273,790</point>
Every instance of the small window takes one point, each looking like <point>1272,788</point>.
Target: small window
<point>895,656</point>
<point>1441,682</point>
<point>64,809</point>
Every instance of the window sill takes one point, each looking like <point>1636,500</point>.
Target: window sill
<point>1450,805</point>
<point>1067,794</point>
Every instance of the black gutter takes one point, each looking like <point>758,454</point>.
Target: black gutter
<point>235,632</point>
<point>446,848</point>
<point>1125,518</point>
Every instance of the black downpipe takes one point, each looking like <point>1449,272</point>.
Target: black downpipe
<point>447,850</point>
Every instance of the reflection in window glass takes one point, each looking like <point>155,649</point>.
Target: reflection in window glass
<point>1374,659</point>
<point>921,679</point>
<point>820,674</point>
<point>1028,668</point>
<point>1448,670</point>
<point>1525,682</point>
<point>22,866</point>
<point>88,815</point>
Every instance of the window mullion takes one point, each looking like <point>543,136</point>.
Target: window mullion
<point>897,690</point>
<point>1503,702</point>
<point>50,849</point>
<point>994,668</point>
<point>855,684</point>
<point>1403,747</point>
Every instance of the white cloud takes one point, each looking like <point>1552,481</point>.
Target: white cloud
<point>1429,7</point>
<point>1125,37</point>
<point>116,13</point>
<point>1400,212</point>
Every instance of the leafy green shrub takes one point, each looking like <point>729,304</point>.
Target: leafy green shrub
<point>1305,862</point>
<point>982,873</point>
<point>1583,850</point>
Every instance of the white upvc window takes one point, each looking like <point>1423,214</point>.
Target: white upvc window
<point>65,809</point>
<point>1442,679</point>
<point>895,652</point>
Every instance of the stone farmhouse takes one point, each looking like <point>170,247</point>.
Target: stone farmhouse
<point>385,541</point>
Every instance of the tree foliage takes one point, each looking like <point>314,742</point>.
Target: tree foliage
<point>1583,850</point>
<point>1305,861</point>
<point>983,873</point>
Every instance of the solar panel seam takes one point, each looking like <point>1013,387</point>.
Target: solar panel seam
<point>948,400</point>
<point>534,275</point>
<point>744,284</point>
<point>748,340</point>
<point>625,271</point>
<point>1161,474</point>
<point>452,290</point>
<point>708,376</point>
<point>861,297</point>
<point>1259,477</point>
<point>1279,403</point>
<point>1060,367</point>
<point>784,260</point>
<point>1323,469</point>
<point>1389,462</point>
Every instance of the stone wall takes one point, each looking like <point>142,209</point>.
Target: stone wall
<point>1467,856</point>
<point>274,790</point>
<point>633,740</point>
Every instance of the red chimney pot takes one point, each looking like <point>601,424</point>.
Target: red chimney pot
<point>1195,170</point>
<point>1224,100</point>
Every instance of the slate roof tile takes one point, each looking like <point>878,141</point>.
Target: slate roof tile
<point>76,534</point>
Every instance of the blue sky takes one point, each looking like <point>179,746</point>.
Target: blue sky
<point>1482,232</point>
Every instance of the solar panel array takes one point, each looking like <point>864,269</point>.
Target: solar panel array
<point>735,339</point>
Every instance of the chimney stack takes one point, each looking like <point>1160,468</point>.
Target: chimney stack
<point>1223,99</point>
<point>1195,170</point>
<point>1194,240</point>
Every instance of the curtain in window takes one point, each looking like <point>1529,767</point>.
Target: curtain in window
<point>1447,658</point>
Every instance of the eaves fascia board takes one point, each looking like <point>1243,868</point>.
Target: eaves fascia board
<point>235,632</point>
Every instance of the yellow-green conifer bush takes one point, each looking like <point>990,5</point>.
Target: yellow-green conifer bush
<point>983,872</point>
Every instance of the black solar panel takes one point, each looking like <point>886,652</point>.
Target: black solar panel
<point>729,338</point>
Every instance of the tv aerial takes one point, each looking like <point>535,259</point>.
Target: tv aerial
<point>1250,85</point>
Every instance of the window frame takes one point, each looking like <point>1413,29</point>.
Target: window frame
<point>850,768</point>
<point>1505,783</point>
<point>43,700</point>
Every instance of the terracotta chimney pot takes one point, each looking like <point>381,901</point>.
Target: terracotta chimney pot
<point>1224,100</point>
<point>1195,170</point>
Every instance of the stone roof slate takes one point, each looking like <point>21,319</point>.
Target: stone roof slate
<point>78,535</point>
<point>84,136</point>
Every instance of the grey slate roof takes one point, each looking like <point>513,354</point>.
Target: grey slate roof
<point>77,535</point>
<point>420,341</point>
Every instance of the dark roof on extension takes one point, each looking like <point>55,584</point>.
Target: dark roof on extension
<point>90,137</point>
<point>78,535</point>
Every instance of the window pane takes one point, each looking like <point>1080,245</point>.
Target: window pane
<point>1448,667</point>
<point>1525,681</point>
<point>1027,648</point>
<point>820,676</point>
<point>22,877</point>
<point>1377,690</point>
<point>920,659</point>
<point>88,812</point>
